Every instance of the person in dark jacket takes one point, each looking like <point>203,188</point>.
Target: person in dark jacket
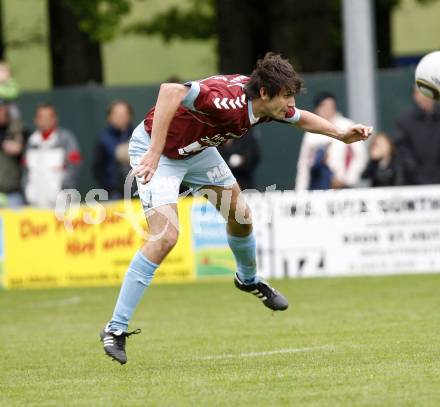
<point>111,163</point>
<point>320,173</point>
<point>417,140</point>
<point>384,168</point>
<point>12,141</point>
<point>242,156</point>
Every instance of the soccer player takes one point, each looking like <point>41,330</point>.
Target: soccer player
<point>176,144</point>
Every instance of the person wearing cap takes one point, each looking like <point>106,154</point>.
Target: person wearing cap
<point>326,163</point>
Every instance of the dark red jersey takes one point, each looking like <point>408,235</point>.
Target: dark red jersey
<point>214,110</point>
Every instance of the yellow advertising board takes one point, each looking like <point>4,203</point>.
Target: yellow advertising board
<point>93,247</point>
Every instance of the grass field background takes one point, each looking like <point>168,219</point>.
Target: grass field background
<point>366,341</point>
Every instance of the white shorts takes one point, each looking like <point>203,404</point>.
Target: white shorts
<point>206,168</point>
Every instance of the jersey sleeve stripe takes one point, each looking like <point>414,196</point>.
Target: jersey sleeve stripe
<point>191,96</point>
<point>294,118</point>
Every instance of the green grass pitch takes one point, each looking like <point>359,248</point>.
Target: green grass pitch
<point>366,341</point>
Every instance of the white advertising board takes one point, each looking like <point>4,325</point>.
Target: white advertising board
<point>348,232</point>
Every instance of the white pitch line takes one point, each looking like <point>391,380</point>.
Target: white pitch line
<point>75,300</point>
<point>267,353</point>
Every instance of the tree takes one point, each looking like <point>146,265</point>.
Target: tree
<point>99,19</point>
<point>77,28</point>
<point>308,32</point>
<point>196,21</point>
<point>383,13</point>
<point>2,41</point>
<point>75,59</point>
<point>249,28</point>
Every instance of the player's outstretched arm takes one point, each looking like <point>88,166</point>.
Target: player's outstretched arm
<point>168,101</point>
<point>316,124</point>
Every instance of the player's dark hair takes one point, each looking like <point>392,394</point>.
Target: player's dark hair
<point>273,73</point>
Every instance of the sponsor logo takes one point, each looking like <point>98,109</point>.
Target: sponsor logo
<point>210,141</point>
<point>218,173</point>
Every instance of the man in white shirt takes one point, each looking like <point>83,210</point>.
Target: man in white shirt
<point>51,160</point>
<point>325,162</point>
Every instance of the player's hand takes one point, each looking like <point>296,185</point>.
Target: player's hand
<point>147,166</point>
<point>357,132</point>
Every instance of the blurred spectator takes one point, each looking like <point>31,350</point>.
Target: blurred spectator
<point>334,164</point>
<point>12,139</point>
<point>111,163</point>
<point>9,89</point>
<point>384,168</point>
<point>174,79</point>
<point>320,174</point>
<point>417,140</point>
<point>242,155</point>
<point>52,159</point>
